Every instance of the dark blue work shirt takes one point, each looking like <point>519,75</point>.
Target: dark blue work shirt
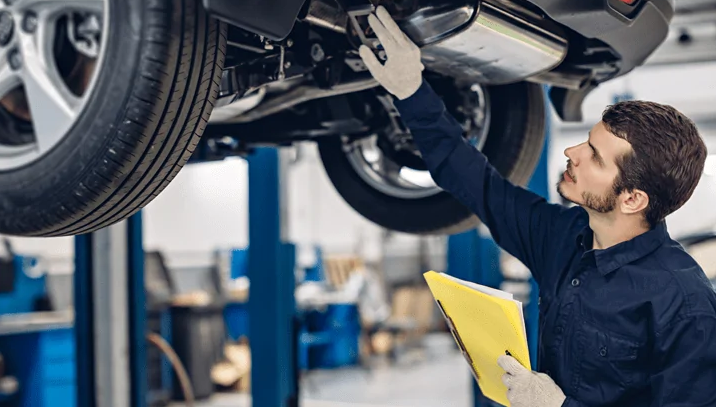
<point>631,325</point>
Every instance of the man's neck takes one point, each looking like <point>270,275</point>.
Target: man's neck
<point>609,232</point>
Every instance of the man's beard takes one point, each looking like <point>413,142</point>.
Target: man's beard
<point>601,204</point>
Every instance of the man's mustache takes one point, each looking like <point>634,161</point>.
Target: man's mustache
<point>569,171</point>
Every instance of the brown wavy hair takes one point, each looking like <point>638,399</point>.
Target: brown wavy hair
<point>667,157</point>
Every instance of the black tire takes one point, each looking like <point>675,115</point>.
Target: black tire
<point>514,145</point>
<point>151,102</point>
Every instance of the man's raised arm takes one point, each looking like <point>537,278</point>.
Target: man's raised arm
<point>519,220</point>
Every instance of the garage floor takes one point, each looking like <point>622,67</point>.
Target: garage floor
<point>434,377</point>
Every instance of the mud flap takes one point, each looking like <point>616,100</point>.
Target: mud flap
<point>274,19</point>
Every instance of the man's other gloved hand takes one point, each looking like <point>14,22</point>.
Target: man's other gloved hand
<point>526,388</point>
<point>402,73</point>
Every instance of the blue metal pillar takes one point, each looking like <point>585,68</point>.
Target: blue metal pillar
<point>101,259</point>
<point>271,263</point>
<point>539,183</point>
<point>462,255</point>
<point>474,256</point>
<point>84,322</point>
<point>137,312</point>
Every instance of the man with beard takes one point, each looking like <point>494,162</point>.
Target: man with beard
<point>627,317</point>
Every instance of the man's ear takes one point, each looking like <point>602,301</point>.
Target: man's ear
<point>634,201</point>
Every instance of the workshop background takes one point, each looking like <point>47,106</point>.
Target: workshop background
<point>367,331</point>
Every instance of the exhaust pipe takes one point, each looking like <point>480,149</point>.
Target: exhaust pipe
<point>299,94</point>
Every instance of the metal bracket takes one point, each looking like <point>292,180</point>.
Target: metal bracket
<point>358,17</point>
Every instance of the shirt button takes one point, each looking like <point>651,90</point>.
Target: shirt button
<point>559,330</point>
<point>603,351</point>
<point>575,282</point>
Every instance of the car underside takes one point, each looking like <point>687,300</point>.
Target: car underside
<point>203,80</point>
<point>571,48</point>
<point>310,84</point>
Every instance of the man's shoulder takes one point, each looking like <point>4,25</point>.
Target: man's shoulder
<point>680,267</point>
<point>682,288</point>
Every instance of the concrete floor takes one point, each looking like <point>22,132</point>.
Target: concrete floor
<point>435,376</point>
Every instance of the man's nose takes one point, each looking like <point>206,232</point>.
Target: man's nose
<point>569,153</point>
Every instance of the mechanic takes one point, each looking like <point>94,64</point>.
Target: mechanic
<point>627,317</point>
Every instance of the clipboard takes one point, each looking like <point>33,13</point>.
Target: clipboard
<point>485,323</point>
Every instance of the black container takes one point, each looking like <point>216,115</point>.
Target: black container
<point>198,338</point>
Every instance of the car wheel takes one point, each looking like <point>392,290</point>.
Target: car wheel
<point>383,178</point>
<point>101,104</point>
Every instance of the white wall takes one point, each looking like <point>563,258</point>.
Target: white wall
<point>206,207</point>
<point>56,253</point>
<point>207,197</point>
<point>319,215</point>
<point>688,88</point>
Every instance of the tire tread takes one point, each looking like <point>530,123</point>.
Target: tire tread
<point>175,88</point>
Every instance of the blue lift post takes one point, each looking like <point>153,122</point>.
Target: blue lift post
<point>137,312</point>
<point>474,256</point>
<point>271,262</point>
<point>84,321</point>
<point>539,183</point>
<point>103,258</point>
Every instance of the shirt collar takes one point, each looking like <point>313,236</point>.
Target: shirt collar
<point>610,259</point>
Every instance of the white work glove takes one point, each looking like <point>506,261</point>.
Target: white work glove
<point>402,73</point>
<point>526,388</point>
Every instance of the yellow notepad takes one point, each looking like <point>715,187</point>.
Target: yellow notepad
<point>485,323</point>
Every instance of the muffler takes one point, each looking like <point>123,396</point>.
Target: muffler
<point>497,46</point>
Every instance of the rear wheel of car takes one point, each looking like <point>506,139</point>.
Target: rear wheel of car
<point>390,185</point>
<point>101,104</point>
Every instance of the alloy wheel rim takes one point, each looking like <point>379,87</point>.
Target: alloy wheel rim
<point>401,181</point>
<point>42,95</point>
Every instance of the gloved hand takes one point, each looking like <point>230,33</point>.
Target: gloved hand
<point>402,73</point>
<point>526,388</point>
